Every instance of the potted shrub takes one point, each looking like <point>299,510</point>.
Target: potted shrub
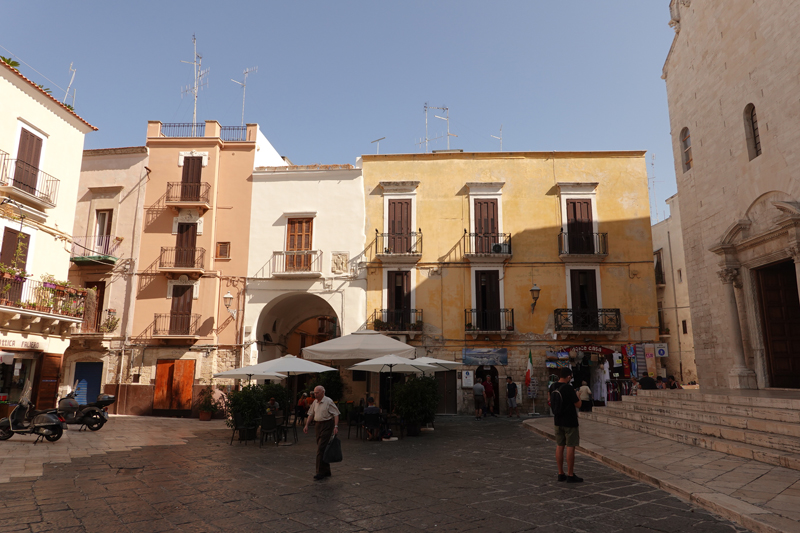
<point>245,406</point>
<point>379,325</point>
<point>415,401</point>
<point>208,405</point>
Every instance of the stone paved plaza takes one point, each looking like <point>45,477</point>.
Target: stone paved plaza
<point>489,475</point>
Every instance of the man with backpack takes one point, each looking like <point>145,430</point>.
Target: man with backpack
<point>565,404</point>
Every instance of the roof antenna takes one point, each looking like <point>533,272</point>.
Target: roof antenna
<point>244,86</point>
<point>427,139</point>
<point>500,138</point>
<point>447,118</point>
<point>69,86</point>
<point>200,80</point>
<point>378,151</point>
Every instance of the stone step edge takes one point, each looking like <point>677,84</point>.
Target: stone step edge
<point>692,405</point>
<point>731,399</point>
<point>756,453</point>
<point>721,504</point>
<point>677,416</point>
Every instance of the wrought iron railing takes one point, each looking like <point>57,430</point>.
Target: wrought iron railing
<point>580,243</point>
<point>29,179</point>
<point>189,129</point>
<point>488,319</point>
<point>43,297</point>
<point>396,320</point>
<point>178,191</point>
<point>191,258</point>
<point>660,279</point>
<point>176,324</point>
<point>94,245</point>
<point>284,261</point>
<point>588,320</point>
<point>234,133</point>
<point>487,243</point>
<point>399,243</point>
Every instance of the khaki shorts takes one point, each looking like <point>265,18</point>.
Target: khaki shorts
<point>478,402</point>
<point>567,436</point>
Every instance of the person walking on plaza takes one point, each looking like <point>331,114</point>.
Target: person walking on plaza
<point>585,395</point>
<point>511,397</point>
<point>478,393</point>
<point>489,395</point>
<point>326,415</point>
<point>565,404</point>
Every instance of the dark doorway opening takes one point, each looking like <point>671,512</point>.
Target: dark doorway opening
<point>485,372</point>
<point>88,378</point>
<point>780,319</point>
<point>447,383</point>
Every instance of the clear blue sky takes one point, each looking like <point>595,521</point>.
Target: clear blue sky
<point>333,76</point>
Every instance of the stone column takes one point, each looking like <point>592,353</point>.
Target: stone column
<point>795,253</point>
<point>740,377</point>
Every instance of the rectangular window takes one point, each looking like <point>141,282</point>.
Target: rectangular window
<point>680,276</point>
<point>685,329</point>
<point>359,375</point>
<point>223,250</point>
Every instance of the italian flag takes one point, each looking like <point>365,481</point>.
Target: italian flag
<point>529,371</point>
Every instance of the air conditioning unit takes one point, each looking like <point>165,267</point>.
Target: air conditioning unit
<point>501,248</point>
<point>401,338</point>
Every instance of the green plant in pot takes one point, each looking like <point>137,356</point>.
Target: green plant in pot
<point>332,382</point>
<point>415,401</point>
<point>245,406</point>
<point>208,405</point>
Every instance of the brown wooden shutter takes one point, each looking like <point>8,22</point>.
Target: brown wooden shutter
<point>28,155</point>
<point>223,250</point>
<point>399,225</point>
<point>9,246</point>
<point>185,245</point>
<point>190,180</point>
<point>181,313</point>
<point>485,225</point>
<point>579,226</point>
<point>98,310</point>
<point>298,239</point>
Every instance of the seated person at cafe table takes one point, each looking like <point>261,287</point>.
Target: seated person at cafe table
<point>373,433</point>
<point>272,405</point>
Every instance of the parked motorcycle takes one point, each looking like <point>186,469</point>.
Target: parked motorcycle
<point>25,420</point>
<point>92,415</point>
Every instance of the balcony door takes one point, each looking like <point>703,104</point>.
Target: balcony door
<point>102,230</point>
<point>180,317</point>
<point>585,313</point>
<point>485,224</point>
<point>399,300</point>
<point>27,166</point>
<point>95,316</point>
<point>487,299</point>
<point>298,244</point>
<point>12,289</point>
<point>186,245</point>
<point>580,227</point>
<point>190,180</point>
<point>399,225</point>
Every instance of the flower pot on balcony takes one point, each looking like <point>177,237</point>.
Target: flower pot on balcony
<point>49,285</point>
<point>509,328</point>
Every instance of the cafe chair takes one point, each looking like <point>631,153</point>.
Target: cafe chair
<point>354,420</point>
<point>372,423</point>
<point>269,427</point>
<point>239,425</point>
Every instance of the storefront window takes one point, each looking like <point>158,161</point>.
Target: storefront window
<point>13,377</point>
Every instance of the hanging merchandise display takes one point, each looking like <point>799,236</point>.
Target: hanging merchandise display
<point>640,360</point>
<point>650,359</point>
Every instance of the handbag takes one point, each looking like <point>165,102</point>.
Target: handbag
<point>333,451</point>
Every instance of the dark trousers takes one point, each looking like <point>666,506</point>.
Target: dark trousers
<point>324,433</point>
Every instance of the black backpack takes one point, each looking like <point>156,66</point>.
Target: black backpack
<point>557,401</point>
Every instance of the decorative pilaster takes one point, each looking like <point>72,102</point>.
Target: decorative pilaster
<point>740,377</point>
<point>794,251</point>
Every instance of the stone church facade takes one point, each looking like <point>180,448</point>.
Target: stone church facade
<point>733,85</point>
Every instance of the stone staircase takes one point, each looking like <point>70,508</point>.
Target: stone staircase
<point>753,425</point>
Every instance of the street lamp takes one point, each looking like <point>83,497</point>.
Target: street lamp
<point>535,290</point>
<point>228,299</point>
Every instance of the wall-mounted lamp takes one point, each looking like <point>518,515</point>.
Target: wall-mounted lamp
<point>228,299</point>
<point>535,290</point>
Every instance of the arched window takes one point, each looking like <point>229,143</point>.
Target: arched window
<point>686,148</point>
<point>751,132</point>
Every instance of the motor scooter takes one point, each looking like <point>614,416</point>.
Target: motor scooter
<point>25,420</point>
<point>92,415</point>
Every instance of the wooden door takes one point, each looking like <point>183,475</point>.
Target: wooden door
<point>180,317</point>
<point>399,223</point>
<point>399,299</point>
<point>298,244</point>
<point>27,167</point>
<point>485,225</point>
<point>487,299</point>
<point>580,236</point>
<point>47,384</point>
<point>100,286</point>
<point>780,312</point>
<point>446,384</point>
<point>11,289</point>
<point>186,245</point>
<point>585,315</point>
<point>190,180</point>
<point>174,380</point>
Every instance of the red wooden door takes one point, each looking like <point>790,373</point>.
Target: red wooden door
<point>174,380</point>
<point>186,245</point>
<point>780,312</point>
<point>298,244</point>
<point>579,227</point>
<point>485,225</point>
<point>27,168</point>
<point>190,180</point>
<point>399,225</point>
<point>487,299</point>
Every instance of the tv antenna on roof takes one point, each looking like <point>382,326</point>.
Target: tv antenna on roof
<point>427,139</point>
<point>447,118</point>
<point>378,151</point>
<point>244,86</point>
<point>66,94</point>
<point>500,138</point>
<point>200,80</point>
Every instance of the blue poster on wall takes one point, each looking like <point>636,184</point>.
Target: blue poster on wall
<point>485,356</point>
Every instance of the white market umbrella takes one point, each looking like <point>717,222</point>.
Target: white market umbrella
<point>248,372</point>
<point>365,344</point>
<point>442,363</point>
<point>392,363</point>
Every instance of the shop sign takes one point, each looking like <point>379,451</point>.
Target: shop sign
<point>485,356</point>
<point>12,340</point>
<point>467,379</point>
<point>662,350</point>
<point>592,349</point>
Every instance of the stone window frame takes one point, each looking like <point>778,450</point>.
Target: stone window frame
<point>752,137</point>
<point>184,280</point>
<point>685,141</point>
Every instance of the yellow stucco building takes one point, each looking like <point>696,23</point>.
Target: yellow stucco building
<point>460,239</point>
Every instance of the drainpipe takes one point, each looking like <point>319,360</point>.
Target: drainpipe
<point>675,304</point>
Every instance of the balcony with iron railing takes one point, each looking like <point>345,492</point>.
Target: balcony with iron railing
<point>485,246</point>
<point>297,263</point>
<point>234,134</point>
<point>32,298</point>
<point>406,321</point>
<point>588,320</point>
<point>181,195</point>
<point>399,247</point>
<point>182,260</point>
<point>189,129</point>
<point>27,184</point>
<point>488,321</point>
<point>176,325</point>
<point>199,129</point>
<point>95,250</point>
<point>582,247</point>
<point>661,281</point>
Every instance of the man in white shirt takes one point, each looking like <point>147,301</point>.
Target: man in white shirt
<point>326,415</point>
